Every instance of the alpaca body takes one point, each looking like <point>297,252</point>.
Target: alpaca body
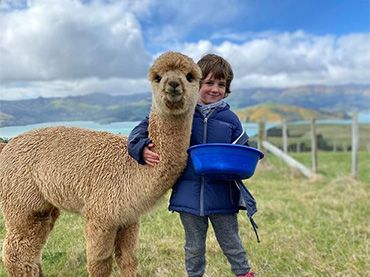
<point>89,172</point>
<point>62,173</point>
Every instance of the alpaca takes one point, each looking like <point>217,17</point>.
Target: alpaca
<point>2,145</point>
<point>89,172</point>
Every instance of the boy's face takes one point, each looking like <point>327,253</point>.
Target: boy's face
<point>212,90</point>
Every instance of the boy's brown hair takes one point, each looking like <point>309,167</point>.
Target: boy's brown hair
<point>219,67</point>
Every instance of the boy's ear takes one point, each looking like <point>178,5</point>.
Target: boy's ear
<point>226,95</point>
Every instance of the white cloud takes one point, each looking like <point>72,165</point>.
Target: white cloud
<point>58,88</point>
<point>70,40</point>
<point>169,23</point>
<point>291,59</point>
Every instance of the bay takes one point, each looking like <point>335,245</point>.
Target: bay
<point>123,128</point>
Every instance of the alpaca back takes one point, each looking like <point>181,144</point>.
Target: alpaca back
<point>2,145</point>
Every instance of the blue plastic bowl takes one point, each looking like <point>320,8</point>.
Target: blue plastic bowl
<point>225,161</point>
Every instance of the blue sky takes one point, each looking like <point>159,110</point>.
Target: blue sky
<point>317,17</point>
<point>70,47</point>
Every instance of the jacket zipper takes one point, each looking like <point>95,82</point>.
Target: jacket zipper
<point>202,180</point>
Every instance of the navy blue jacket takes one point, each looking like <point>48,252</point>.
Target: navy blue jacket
<point>200,195</point>
<point>196,194</point>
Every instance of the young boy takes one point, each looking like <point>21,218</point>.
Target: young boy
<point>199,199</point>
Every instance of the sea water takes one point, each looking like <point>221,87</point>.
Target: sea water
<point>123,128</point>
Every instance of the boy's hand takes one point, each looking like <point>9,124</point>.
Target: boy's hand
<point>150,157</point>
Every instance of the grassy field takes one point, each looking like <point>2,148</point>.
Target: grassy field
<point>307,228</point>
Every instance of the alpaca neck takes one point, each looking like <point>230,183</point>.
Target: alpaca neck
<point>171,137</point>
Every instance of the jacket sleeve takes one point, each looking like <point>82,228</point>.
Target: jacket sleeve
<point>138,139</point>
<point>239,135</point>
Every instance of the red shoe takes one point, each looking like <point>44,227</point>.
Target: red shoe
<point>248,274</point>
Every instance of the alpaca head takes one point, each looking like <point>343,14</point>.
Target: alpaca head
<point>175,83</point>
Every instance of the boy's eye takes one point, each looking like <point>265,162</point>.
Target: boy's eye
<point>189,77</point>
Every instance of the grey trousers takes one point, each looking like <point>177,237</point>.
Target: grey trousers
<point>227,234</point>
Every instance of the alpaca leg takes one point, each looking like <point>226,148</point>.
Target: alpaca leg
<point>100,248</point>
<point>125,244</point>
<point>24,240</point>
<point>54,214</point>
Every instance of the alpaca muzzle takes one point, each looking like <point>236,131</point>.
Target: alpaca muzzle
<point>173,91</point>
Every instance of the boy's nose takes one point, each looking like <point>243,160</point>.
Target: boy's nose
<point>214,88</point>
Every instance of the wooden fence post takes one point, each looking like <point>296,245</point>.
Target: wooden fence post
<point>285,136</point>
<point>355,145</point>
<point>314,145</point>
<point>261,134</point>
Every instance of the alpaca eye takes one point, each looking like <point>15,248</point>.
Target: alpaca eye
<point>157,78</point>
<point>189,77</point>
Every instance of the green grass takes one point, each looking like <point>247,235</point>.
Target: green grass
<point>307,228</point>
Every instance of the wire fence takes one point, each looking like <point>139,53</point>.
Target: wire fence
<point>315,136</point>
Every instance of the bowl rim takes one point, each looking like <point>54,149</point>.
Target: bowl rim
<point>229,145</point>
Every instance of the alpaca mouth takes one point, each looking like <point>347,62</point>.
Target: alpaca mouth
<point>173,95</point>
<point>174,104</point>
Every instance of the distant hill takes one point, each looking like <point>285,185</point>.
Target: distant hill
<point>5,117</point>
<point>106,108</point>
<point>277,112</point>
<point>345,98</point>
<point>93,107</point>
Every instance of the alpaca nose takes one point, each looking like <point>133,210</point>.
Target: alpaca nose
<point>174,90</point>
<point>174,84</point>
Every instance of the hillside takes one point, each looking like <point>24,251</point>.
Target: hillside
<point>5,117</point>
<point>272,112</point>
<point>93,107</point>
<point>317,97</point>
<point>106,108</point>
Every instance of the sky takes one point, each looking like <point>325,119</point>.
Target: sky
<point>59,48</point>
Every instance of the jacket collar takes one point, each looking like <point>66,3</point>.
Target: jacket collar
<point>207,109</point>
